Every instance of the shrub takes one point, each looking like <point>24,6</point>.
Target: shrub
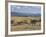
<point>12,21</point>
<point>25,21</point>
<point>33,21</point>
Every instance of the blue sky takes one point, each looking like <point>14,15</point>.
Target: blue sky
<point>26,9</point>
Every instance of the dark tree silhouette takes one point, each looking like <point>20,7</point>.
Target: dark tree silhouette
<point>33,21</point>
<point>12,21</point>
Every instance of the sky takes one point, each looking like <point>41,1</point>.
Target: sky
<point>26,9</point>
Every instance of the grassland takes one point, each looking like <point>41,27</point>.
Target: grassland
<point>25,23</point>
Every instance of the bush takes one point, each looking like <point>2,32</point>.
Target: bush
<point>25,21</point>
<point>12,21</point>
<point>33,21</point>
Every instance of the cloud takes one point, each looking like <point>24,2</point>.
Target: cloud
<point>26,9</point>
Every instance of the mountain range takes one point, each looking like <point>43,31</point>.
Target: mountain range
<point>24,14</point>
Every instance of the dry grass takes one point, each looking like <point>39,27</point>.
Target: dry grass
<point>24,26</point>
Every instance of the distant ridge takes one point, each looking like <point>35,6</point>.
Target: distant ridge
<point>24,14</point>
